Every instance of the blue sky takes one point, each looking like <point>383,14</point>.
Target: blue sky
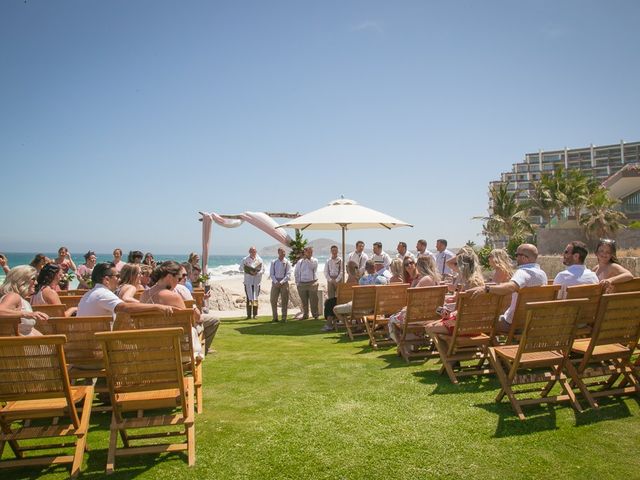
<point>120,120</point>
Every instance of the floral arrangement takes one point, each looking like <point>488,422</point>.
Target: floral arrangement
<point>65,279</point>
<point>203,278</point>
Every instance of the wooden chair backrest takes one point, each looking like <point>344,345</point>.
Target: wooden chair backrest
<point>71,300</point>
<point>545,293</point>
<point>181,318</point>
<point>550,326</point>
<point>198,297</point>
<point>82,348</point>
<point>475,316</point>
<point>390,299</point>
<point>9,326</point>
<point>138,294</point>
<point>363,301</point>
<point>630,286</point>
<point>143,361</point>
<point>423,301</point>
<point>51,310</point>
<point>344,293</point>
<point>588,311</point>
<point>66,293</point>
<point>618,320</point>
<point>189,303</point>
<point>34,368</point>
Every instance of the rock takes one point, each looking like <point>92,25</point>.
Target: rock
<point>222,300</point>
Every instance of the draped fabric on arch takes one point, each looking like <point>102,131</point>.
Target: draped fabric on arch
<point>258,219</point>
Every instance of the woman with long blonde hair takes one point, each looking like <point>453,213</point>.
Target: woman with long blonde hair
<point>501,264</point>
<point>129,282</point>
<point>18,287</point>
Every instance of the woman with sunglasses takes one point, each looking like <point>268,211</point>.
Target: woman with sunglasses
<point>45,291</point>
<point>18,287</point>
<point>609,270</point>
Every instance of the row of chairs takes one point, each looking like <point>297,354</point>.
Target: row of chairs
<point>144,369</point>
<point>597,317</point>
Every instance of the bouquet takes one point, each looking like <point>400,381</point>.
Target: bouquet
<point>65,280</point>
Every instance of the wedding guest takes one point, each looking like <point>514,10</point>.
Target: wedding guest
<point>4,263</point>
<point>501,264</point>
<point>442,255</point>
<point>352,273</point>
<point>145,276</point>
<point>148,260</point>
<point>16,290</point>
<point>117,259</point>
<point>333,272</point>
<point>194,261</point>
<point>84,270</point>
<point>359,257</point>
<point>64,260</point>
<point>397,271</point>
<point>280,274</point>
<point>403,252</point>
<point>381,259</point>
<point>609,270</point>
<point>306,275</point>
<point>129,282</point>
<point>576,273</point>
<point>39,261</point>
<point>46,290</point>
<point>135,256</point>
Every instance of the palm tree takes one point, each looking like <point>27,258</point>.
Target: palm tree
<point>601,220</point>
<point>541,201</point>
<point>509,217</point>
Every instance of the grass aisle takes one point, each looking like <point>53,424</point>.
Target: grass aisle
<point>286,401</point>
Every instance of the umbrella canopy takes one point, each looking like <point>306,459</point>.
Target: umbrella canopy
<point>344,214</point>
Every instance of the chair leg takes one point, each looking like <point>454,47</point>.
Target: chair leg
<point>506,387</point>
<point>190,427</point>
<point>446,364</point>
<point>577,381</point>
<point>570,393</point>
<point>198,386</point>
<point>113,443</point>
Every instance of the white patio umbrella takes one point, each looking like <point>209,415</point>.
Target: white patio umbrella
<point>343,214</point>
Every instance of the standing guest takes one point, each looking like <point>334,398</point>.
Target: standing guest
<point>135,256</point>
<point>65,262</point>
<point>397,271</point>
<point>45,292</point>
<point>359,257</point>
<point>117,259</point>
<point>403,252</point>
<point>101,300</point>
<point>129,282</point>
<point>333,272</point>
<point>84,270</point>
<point>609,270</point>
<point>280,274</point>
<point>194,261</point>
<point>528,274</point>
<point>381,260</point>
<point>253,269</point>
<point>574,255</point>
<point>145,276</point>
<point>39,261</point>
<point>306,275</point>
<point>442,256</point>
<point>17,288</point>
<point>500,263</point>
<point>4,263</point>
<point>421,248</point>
<point>148,260</point>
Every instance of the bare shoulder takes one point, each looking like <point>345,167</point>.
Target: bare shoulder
<point>12,300</point>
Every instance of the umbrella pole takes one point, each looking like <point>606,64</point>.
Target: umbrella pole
<point>344,279</point>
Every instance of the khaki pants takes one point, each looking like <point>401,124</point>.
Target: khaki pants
<point>279,291</point>
<point>332,290</point>
<point>309,292</point>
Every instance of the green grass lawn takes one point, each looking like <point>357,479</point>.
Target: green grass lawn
<point>286,401</point>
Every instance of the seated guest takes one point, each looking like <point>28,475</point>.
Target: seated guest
<point>39,261</point>
<point>194,260</point>
<point>501,265</point>
<point>45,292</point>
<point>353,274</point>
<point>135,256</point>
<point>145,277</point>
<point>397,271</point>
<point>188,268</point>
<point>576,273</point>
<point>609,270</point>
<point>129,282</point>
<point>101,300</point>
<point>117,259</point>
<point>84,271</point>
<point>528,274</point>
<point>17,288</point>
<point>381,259</point>
<point>165,278</point>
<point>148,260</point>
<point>427,275</point>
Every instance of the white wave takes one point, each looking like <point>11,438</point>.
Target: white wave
<point>224,271</point>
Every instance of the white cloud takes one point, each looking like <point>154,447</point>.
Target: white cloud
<point>367,25</point>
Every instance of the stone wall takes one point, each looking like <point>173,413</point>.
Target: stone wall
<point>553,240</point>
<point>552,264</point>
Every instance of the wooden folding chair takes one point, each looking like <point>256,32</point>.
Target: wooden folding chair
<point>198,297</point>
<point>608,352</point>
<point>545,344</point>
<point>389,299</point>
<point>9,326</point>
<point>83,350</point>
<point>70,300</point>
<point>51,310</point>
<point>34,385</point>
<point>473,333</point>
<point>630,286</point>
<point>344,294</point>
<point>526,295</point>
<point>144,373</point>
<point>362,304</point>
<point>189,303</point>
<point>65,293</point>
<point>588,311</point>
<point>191,363</point>
<point>422,303</point>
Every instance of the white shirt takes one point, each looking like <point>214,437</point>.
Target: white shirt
<point>252,262</point>
<point>280,271</point>
<point>333,269</point>
<point>98,301</point>
<point>381,261</point>
<point>527,275</point>
<point>426,253</point>
<point>407,254</point>
<point>183,292</point>
<point>360,259</point>
<point>306,270</point>
<point>441,261</point>
<point>574,275</point>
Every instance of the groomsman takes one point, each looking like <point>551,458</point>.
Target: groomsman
<point>280,273</point>
<point>442,256</point>
<point>359,257</point>
<point>333,272</point>
<point>306,275</point>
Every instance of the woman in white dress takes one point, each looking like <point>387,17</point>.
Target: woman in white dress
<point>18,287</point>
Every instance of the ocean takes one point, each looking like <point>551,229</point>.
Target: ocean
<point>219,266</point>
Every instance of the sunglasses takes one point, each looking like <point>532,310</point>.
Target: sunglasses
<point>409,263</point>
<point>117,275</point>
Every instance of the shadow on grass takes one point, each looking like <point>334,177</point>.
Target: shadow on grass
<point>610,409</point>
<point>293,328</point>
<point>539,418</point>
<point>443,386</point>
